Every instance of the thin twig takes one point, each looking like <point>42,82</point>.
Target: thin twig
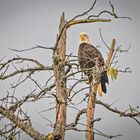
<point>112,13</point>
<point>29,49</point>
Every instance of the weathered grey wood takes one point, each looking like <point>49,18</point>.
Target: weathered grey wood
<point>60,79</point>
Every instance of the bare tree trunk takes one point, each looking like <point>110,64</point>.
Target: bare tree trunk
<point>90,113</point>
<point>60,77</point>
<point>92,100</point>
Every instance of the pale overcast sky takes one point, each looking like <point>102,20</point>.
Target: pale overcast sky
<point>26,23</point>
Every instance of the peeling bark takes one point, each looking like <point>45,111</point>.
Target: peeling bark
<point>60,77</point>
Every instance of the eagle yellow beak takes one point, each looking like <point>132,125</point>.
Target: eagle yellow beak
<point>82,38</point>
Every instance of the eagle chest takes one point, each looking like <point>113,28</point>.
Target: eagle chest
<point>89,56</point>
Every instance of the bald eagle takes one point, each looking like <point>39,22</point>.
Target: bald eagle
<point>88,56</point>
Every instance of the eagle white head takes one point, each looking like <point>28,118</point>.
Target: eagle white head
<point>84,38</point>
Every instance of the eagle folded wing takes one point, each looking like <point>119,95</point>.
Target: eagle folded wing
<point>90,58</point>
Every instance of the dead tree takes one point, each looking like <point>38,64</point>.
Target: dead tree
<point>61,70</point>
<point>60,79</point>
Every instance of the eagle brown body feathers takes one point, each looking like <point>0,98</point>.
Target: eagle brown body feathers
<point>88,56</point>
